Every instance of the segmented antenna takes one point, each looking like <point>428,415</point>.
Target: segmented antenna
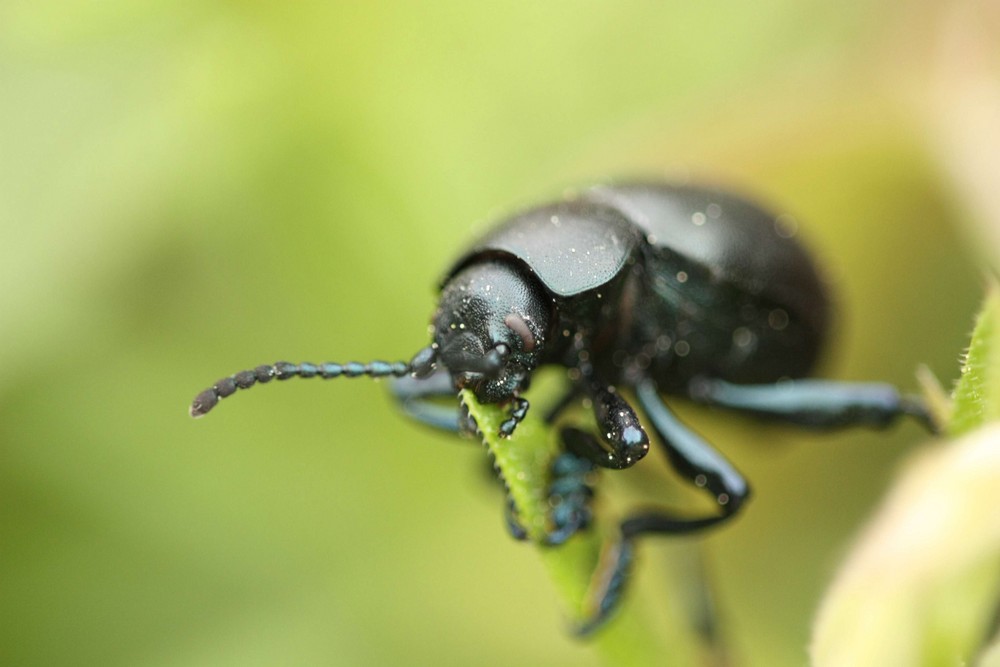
<point>284,370</point>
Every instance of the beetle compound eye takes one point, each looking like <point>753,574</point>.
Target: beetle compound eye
<point>517,324</point>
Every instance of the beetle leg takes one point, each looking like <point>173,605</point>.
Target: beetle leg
<point>518,411</point>
<point>619,427</point>
<point>514,525</point>
<point>692,457</point>
<point>415,397</point>
<point>607,585</point>
<point>582,444</point>
<point>569,495</point>
<point>815,403</point>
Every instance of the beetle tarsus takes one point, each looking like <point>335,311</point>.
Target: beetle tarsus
<point>518,411</point>
<point>513,522</point>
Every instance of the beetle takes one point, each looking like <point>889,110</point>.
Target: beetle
<point>659,289</point>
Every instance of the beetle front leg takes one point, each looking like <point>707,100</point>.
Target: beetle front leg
<point>619,428</point>
<point>815,403</point>
<point>518,410</point>
<point>692,457</point>
<point>416,399</point>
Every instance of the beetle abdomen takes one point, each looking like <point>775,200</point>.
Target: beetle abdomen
<point>727,293</point>
<point>737,241</point>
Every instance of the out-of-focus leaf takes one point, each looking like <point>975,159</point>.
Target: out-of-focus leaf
<point>920,587</point>
<point>186,188</point>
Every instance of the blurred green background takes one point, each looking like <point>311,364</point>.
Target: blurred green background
<point>191,188</point>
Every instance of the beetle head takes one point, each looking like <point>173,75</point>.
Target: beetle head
<point>489,329</point>
<point>489,334</point>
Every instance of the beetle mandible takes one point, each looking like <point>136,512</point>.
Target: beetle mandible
<point>660,289</point>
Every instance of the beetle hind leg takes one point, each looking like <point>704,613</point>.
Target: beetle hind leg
<point>815,403</point>
<point>693,457</point>
<point>607,585</point>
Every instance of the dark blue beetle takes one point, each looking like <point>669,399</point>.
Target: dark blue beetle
<point>658,289</point>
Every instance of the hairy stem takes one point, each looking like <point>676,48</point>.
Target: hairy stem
<point>523,460</point>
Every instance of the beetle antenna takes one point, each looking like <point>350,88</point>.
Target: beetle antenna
<point>421,366</point>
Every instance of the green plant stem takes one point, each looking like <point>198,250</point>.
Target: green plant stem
<point>976,400</point>
<point>523,461</point>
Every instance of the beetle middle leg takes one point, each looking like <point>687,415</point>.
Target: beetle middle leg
<point>691,456</point>
<point>570,495</point>
<point>688,453</point>
<point>815,403</point>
